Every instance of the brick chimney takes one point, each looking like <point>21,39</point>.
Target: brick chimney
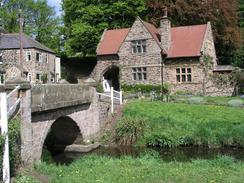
<point>165,31</point>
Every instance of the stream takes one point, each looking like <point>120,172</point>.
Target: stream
<point>181,154</point>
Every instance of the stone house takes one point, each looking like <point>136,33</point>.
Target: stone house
<point>39,62</point>
<point>144,54</point>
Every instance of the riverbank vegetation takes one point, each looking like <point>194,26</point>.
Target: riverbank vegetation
<point>171,124</point>
<point>144,169</point>
<point>14,146</point>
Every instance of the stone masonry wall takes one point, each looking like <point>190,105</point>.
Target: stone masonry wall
<point>128,60</point>
<point>87,118</point>
<point>169,75</point>
<point>11,63</point>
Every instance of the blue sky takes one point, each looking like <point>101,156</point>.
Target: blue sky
<point>56,4</point>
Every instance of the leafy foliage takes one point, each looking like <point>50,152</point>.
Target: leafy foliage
<point>222,14</point>
<point>14,145</point>
<point>184,124</point>
<point>129,129</point>
<point>86,20</point>
<point>145,169</point>
<point>147,88</point>
<point>40,20</point>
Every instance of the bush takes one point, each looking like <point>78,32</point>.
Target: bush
<point>129,129</point>
<point>141,88</point>
<point>14,146</point>
<point>195,100</point>
<point>99,88</point>
<point>235,103</point>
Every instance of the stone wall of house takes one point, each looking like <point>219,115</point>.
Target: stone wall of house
<point>104,63</point>
<point>169,74</point>
<point>151,59</point>
<point>208,47</point>
<point>12,67</point>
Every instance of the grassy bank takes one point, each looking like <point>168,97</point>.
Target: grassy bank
<point>146,169</point>
<point>169,124</point>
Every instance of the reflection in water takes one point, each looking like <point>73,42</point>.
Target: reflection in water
<point>172,154</point>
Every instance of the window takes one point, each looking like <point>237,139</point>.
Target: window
<point>2,78</point>
<point>139,73</point>
<point>27,76</point>
<point>38,77</point>
<point>139,46</point>
<point>183,75</point>
<point>28,56</point>
<point>46,58</point>
<point>1,59</point>
<point>38,57</point>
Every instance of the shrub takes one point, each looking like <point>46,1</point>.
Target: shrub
<point>99,88</point>
<point>159,140</point>
<point>235,103</point>
<point>195,100</point>
<point>141,88</point>
<point>129,129</point>
<point>14,146</point>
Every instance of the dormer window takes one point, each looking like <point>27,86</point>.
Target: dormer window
<point>139,46</point>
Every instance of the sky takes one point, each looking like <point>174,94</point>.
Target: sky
<point>56,4</point>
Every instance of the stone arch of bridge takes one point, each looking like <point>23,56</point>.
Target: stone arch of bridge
<point>60,133</point>
<point>112,74</point>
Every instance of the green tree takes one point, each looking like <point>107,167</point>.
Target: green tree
<point>222,14</point>
<point>40,20</point>
<point>85,21</point>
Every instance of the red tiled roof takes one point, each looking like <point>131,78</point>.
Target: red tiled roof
<point>152,29</point>
<point>111,41</point>
<point>186,41</point>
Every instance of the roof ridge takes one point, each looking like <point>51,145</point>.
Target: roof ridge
<point>189,26</point>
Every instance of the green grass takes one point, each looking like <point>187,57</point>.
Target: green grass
<point>174,124</point>
<point>223,101</point>
<point>145,169</point>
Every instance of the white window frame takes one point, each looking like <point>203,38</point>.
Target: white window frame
<point>38,78</point>
<point>184,75</point>
<point>139,46</point>
<point>139,73</point>
<point>39,57</point>
<point>27,54</point>
<point>2,78</point>
<point>1,58</point>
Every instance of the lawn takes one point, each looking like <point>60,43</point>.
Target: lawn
<point>167,124</point>
<point>174,124</point>
<point>145,169</point>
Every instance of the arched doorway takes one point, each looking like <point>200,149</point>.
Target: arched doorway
<point>63,132</point>
<point>112,75</point>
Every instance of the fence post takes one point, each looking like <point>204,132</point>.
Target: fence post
<point>112,100</point>
<point>4,131</point>
<point>120,98</point>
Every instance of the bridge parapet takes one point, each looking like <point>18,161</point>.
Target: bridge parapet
<point>52,96</point>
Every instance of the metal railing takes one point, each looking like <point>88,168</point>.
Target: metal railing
<point>113,95</point>
<point>5,115</point>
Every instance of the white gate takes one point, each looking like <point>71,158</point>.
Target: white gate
<point>5,115</point>
<point>113,95</point>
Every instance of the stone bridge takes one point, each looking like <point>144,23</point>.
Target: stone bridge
<point>57,115</point>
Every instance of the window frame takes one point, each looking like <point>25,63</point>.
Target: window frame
<point>2,78</point>
<point>39,57</point>
<point>139,46</point>
<point>1,58</point>
<point>139,73</point>
<point>28,56</point>
<point>184,75</point>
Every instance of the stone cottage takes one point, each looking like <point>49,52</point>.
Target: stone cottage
<point>39,62</point>
<point>144,54</point>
